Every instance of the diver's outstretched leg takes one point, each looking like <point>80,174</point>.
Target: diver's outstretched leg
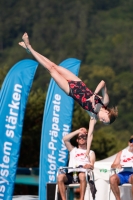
<point>68,75</point>
<point>58,73</point>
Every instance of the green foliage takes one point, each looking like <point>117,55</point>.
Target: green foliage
<point>3,72</point>
<point>107,142</point>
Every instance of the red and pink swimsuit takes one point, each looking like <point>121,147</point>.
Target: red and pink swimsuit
<point>80,93</point>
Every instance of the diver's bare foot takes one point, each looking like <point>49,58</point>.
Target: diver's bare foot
<point>22,44</point>
<point>26,39</point>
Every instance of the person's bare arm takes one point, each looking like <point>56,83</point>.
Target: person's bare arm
<point>102,87</point>
<point>92,161</point>
<point>67,138</point>
<point>116,163</point>
<point>90,134</point>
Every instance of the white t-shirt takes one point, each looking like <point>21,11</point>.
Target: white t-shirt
<point>77,157</point>
<point>126,160</point>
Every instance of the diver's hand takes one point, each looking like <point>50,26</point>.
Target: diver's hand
<point>87,155</point>
<point>92,99</point>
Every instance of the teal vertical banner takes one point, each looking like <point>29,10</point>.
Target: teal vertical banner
<point>13,98</point>
<point>57,122</point>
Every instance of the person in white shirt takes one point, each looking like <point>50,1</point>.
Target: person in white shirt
<point>77,158</point>
<point>123,162</point>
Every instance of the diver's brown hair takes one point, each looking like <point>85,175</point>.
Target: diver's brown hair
<point>113,114</point>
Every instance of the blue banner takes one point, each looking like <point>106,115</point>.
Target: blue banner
<point>13,98</point>
<point>57,123</point>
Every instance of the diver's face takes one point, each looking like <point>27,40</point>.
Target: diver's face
<point>104,117</point>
